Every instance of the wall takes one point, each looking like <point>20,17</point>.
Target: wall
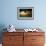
<point>8,13</point>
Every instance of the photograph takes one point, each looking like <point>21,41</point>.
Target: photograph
<point>25,13</point>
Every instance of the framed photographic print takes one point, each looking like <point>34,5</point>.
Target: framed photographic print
<point>25,13</point>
